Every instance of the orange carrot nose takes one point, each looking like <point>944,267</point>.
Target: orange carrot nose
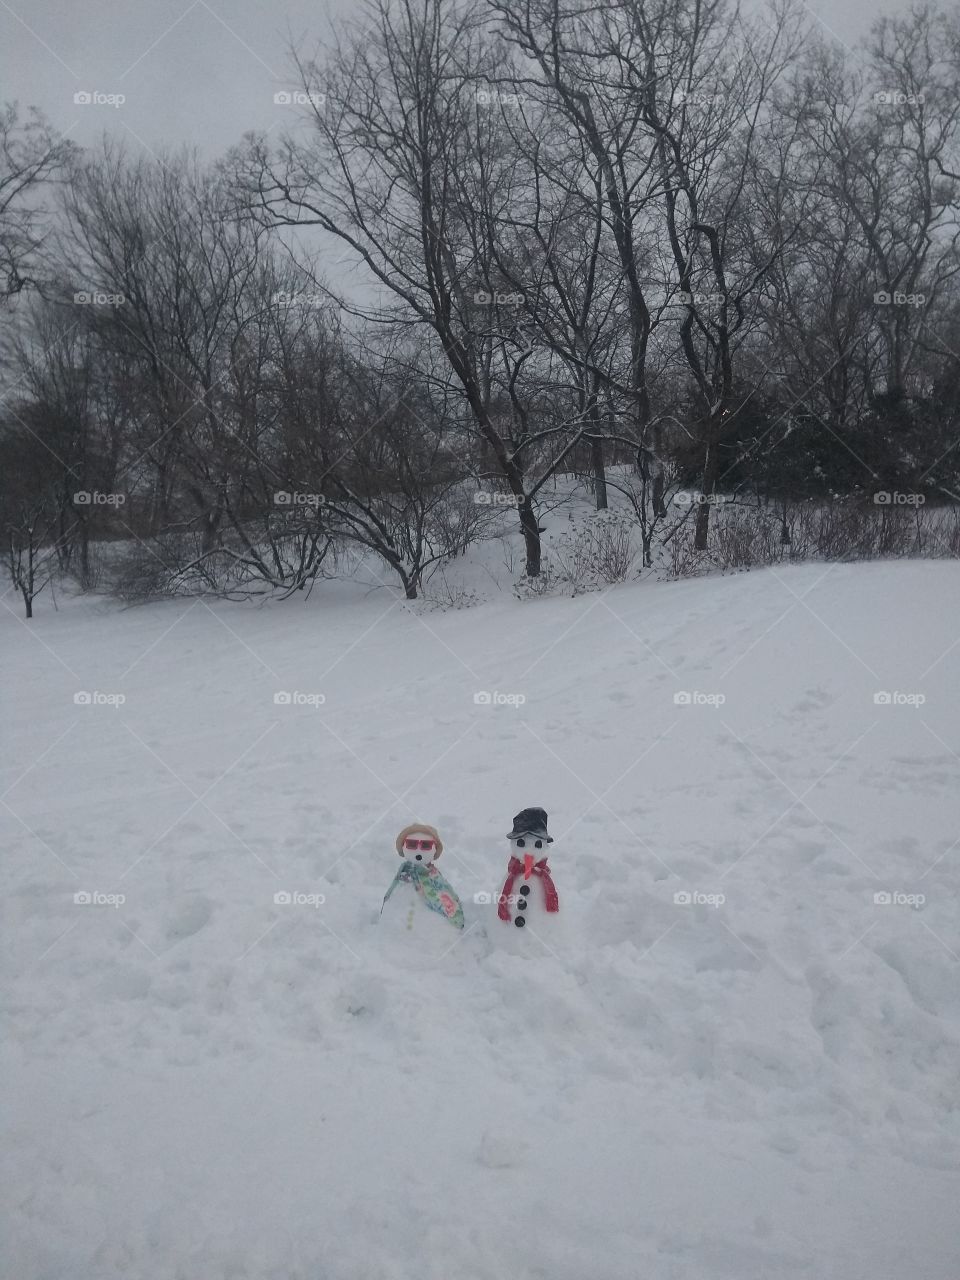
<point>528,861</point>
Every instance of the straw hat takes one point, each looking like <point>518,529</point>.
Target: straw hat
<point>420,829</point>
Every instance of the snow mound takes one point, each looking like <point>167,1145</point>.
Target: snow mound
<point>734,1057</point>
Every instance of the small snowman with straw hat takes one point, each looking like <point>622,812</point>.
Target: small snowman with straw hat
<point>426,905</point>
<point>528,892</point>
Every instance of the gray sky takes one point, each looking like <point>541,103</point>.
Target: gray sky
<point>196,71</point>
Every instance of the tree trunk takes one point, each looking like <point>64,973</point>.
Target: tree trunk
<point>84,553</point>
<point>599,474</point>
<point>711,470</point>
<point>659,506</point>
<point>659,484</point>
<point>211,529</point>
<point>531,538</point>
<point>62,544</point>
<point>409,581</point>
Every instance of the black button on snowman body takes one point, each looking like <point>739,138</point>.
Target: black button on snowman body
<point>519,921</point>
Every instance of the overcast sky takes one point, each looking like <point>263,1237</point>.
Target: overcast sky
<point>197,71</point>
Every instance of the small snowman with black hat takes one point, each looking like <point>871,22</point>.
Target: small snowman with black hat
<point>528,891</point>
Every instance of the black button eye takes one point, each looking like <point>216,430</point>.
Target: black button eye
<point>521,844</point>
<point>419,857</point>
<point>539,844</point>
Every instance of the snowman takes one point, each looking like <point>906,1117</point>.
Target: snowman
<point>528,891</point>
<point>424,908</point>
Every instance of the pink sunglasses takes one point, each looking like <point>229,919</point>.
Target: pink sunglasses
<point>425,845</point>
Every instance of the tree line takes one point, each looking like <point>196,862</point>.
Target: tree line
<point>652,243</point>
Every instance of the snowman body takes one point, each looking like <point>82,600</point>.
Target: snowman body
<point>406,912</point>
<point>421,916</point>
<point>529,897</point>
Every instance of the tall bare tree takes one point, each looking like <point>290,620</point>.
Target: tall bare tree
<point>32,154</point>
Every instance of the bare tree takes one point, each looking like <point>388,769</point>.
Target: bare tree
<point>399,163</point>
<point>31,155</point>
<point>30,511</point>
<point>190,285</point>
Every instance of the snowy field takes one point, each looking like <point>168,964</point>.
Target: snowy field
<point>759,1083</point>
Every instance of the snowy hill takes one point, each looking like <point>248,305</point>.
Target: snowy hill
<point>734,1059</point>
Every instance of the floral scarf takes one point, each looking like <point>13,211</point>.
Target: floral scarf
<point>436,892</point>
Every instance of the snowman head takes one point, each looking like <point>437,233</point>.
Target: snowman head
<point>529,850</point>
<point>529,838</point>
<point>419,843</point>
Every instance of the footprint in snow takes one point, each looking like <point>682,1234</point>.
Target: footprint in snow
<point>499,1153</point>
<point>817,699</point>
<point>188,919</point>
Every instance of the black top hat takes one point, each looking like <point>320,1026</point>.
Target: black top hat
<point>530,822</point>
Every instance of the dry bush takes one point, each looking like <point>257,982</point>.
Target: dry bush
<point>599,550</point>
<point>168,565</point>
<point>942,532</point>
<point>847,529</point>
<point>739,538</point>
<point>439,595</point>
<point>614,535</point>
<point>551,581</point>
<point>676,555</point>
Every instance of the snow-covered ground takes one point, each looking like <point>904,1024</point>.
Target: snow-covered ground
<point>756,1084</point>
